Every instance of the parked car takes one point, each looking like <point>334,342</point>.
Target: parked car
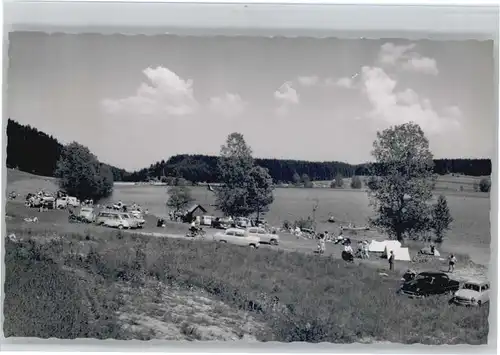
<point>73,201</point>
<point>116,220</point>
<point>472,293</point>
<point>242,222</point>
<point>133,222</point>
<point>429,283</point>
<point>264,236</point>
<point>237,236</point>
<point>206,220</point>
<point>138,216</point>
<point>109,219</point>
<point>87,213</point>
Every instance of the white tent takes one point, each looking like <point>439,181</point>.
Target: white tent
<point>390,245</point>
<point>399,253</point>
<point>379,247</point>
<point>376,247</point>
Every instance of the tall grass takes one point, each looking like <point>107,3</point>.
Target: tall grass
<point>302,298</point>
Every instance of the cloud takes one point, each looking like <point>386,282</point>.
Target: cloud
<point>229,105</point>
<point>391,54</point>
<point>165,94</point>
<point>422,64</point>
<point>344,83</point>
<point>287,96</point>
<point>453,111</point>
<point>391,107</point>
<point>308,80</point>
<point>403,57</point>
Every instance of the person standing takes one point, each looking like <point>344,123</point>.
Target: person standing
<point>322,245</point>
<point>391,261</point>
<point>451,263</point>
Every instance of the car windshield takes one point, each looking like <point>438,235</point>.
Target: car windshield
<point>423,277</point>
<point>473,287</point>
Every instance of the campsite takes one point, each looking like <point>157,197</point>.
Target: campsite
<point>322,209</point>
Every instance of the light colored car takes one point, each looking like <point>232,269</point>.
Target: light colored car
<point>138,216</point>
<point>473,293</point>
<point>65,201</point>
<point>238,237</point>
<point>133,222</point>
<point>116,220</point>
<point>73,201</point>
<point>87,213</point>
<point>62,202</point>
<point>242,222</point>
<point>264,236</point>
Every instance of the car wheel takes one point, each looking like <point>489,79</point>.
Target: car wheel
<point>222,241</point>
<point>274,242</point>
<point>120,227</point>
<point>479,303</point>
<point>252,246</point>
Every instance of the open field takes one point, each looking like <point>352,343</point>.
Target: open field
<point>121,285</point>
<point>131,286</point>
<point>470,233</point>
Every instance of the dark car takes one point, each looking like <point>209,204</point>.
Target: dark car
<point>429,283</point>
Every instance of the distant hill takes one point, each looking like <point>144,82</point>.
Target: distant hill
<point>203,168</point>
<point>35,152</point>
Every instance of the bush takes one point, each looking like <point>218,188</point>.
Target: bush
<point>485,185</point>
<point>356,182</point>
<point>43,300</point>
<point>337,183</point>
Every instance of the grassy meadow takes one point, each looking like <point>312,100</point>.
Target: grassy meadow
<point>70,285</point>
<point>72,281</point>
<point>470,233</point>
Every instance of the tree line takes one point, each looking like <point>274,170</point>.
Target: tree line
<point>22,141</point>
<point>36,152</point>
<point>79,172</point>
<point>203,168</point>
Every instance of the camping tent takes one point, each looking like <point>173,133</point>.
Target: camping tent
<point>390,245</point>
<point>399,253</point>
<point>379,247</point>
<point>376,247</point>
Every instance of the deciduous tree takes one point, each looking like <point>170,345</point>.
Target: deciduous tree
<point>405,181</point>
<point>179,197</point>
<point>441,218</point>
<point>245,188</point>
<point>81,174</point>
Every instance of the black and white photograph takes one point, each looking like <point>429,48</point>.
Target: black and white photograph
<point>248,188</point>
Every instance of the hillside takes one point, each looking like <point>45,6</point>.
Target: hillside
<point>23,141</point>
<point>203,168</point>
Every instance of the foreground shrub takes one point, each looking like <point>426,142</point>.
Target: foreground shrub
<point>44,300</point>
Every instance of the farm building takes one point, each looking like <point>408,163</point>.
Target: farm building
<point>195,211</point>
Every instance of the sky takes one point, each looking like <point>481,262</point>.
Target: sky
<point>135,100</point>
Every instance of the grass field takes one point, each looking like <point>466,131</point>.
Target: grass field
<point>71,281</point>
<point>470,233</point>
<point>71,285</point>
